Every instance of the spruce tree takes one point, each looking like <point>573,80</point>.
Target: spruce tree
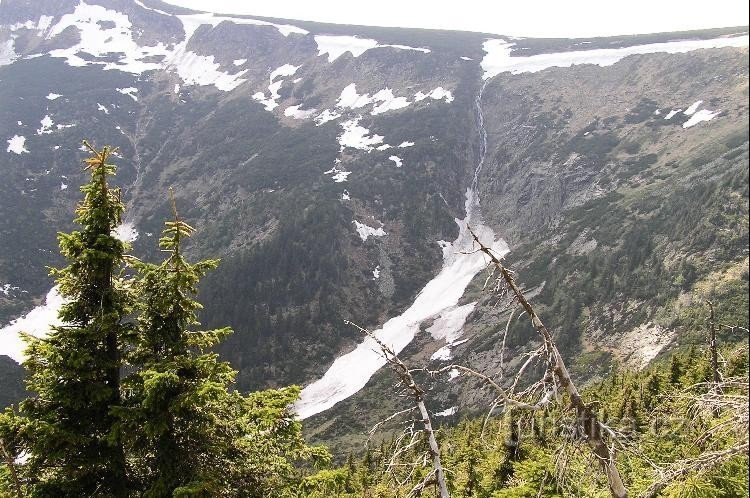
<point>75,371</point>
<point>189,433</point>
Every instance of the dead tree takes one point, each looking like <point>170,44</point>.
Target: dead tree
<point>712,344</point>
<point>406,380</point>
<point>594,432</point>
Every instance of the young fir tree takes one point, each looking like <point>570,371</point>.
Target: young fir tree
<point>75,371</point>
<point>188,432</point>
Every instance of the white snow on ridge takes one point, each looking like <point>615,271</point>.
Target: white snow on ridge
<point>498,54</point>
<point>17,144</point>
<point>337,45</point>
<point>366,231</point>
<point>36,323</point>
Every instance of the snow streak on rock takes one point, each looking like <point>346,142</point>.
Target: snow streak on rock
<point>498,54</point>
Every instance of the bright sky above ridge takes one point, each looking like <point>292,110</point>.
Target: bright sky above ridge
<point>531,18</point>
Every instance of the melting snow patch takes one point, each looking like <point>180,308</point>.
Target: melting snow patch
<point>126,232</point>
<point>389,102</point>
<point>326,116</point>
<point>285,70</point>
<point>693,107</point>
<point>357,137</point>
<point>63,186</point>
<point>239,62</point>
<point>436,94</point>
<point>339,175</point>
<point>36,323</point>
<point>53,96</point>
<point>335,46</point>
<point>447,412</point>
<point>450,323</point>
<point>453,373</point>
<point>671,113</point>
<point>498,54</point>
<point>129,91</point>
<point>17,144</point>
<point>345,196</point>
<point>396,160</point>
<point>383,147</point>
<point>365,231</point>
<point>700,116</point>
<point>376,273</point>
<point>46,128</point>
<point>403,145</point>
<point>102,108</point>
<point>295,112</point>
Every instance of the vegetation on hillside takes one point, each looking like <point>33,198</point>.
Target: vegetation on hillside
<point>129,399</point>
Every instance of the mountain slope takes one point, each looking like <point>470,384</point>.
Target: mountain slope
<point>334,170</point>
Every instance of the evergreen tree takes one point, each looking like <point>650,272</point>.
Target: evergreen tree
<point>75,371</point>
<point>190,434</point>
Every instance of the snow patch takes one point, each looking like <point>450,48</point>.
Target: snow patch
<point>337,45</point>
<point>357,137</point>
<point>349,373</point>
<point>239,62</point>
<point>17,144</point>
<point>438,93</point>
<point>53,96</point>
<point>129,91</point>
<point>125,232</point>
<point>46,123</point>
<point>38,323</point>
<point>366,231</point>
<point>700,116</point>
<point>498,54</point>
<point>672,114</point>
<point>447,412</point>
<point>295,112</point>
<point>376,273</point>
<point>325,116</point>
<point>403,145</point>
<point>693,107</point>
<point>396,160</point>
<point>102,108</point>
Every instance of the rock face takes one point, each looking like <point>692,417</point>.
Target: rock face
<point>328,167</point>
